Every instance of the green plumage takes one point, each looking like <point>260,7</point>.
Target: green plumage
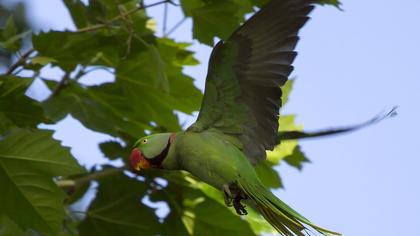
<point>242,95</point>
<point>238,120</point>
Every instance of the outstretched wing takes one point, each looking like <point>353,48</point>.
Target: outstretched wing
<point>242,95</point>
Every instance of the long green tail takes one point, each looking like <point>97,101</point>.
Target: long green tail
<point>282,217</point>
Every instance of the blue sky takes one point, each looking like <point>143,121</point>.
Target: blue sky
<point>352,64</point>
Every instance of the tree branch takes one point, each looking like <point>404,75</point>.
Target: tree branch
<point>60,85</point>
<point>175,27</point>
<point>165,18</point>
<point>19,62</point>
<point>65,183</point>
<point>292,135</point>
<point>119,17</point>
<point>64,80</point>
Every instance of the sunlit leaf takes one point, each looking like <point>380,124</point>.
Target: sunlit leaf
<point>259,225</point>
<point>268,175</point>
<point>42,60</point>
<point>286,89</point>
<point>197,214</point>
<point>286,123</point>
<point>297,158</point>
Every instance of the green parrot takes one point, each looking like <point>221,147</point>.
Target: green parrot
<point>238,119</point>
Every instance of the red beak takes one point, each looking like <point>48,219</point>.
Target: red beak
<point>135,159</point>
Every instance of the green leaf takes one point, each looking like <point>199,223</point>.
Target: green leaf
<point>174,226</point>
<point>142,89</point>
<point>12,43</point>
<point>215,18</point>
<point>12,84</point>
<point>208,217</point>
<point>9,29</point>
<point>145,91</point>
<point>268,175</point>
<point>198,214</point>
<point>75,194</point>
<point>157,69</point>
<point>259,225</point>
<point>286,123</point>
<point>117,210</point>
<point>28,161</point>
<point>101,108</point>
<point>8,35</point>
<point>97,11</point>
<point>114,150</point>
<point>297,158</point>
<point>286,89</point>
<point>70,49</point>
<point>78,12</point>
<point>335,3</point>
<point>176,54</point>
<point>148,65</point>
<point>16,109</point>
<point>42,60</point>
<point>9,228</point>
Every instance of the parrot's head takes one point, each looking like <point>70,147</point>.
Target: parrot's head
<point>151,151</point>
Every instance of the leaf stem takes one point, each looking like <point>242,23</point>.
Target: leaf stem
<point>119,17</point>
<point>89,177</point>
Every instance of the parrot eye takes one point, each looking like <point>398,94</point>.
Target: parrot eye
<point>144,141</point>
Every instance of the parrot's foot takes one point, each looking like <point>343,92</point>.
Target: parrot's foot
<point>227,195</point>
<point>233,196</point>
<point>240,209</point>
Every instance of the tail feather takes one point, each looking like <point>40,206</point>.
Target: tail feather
<point>283,218</point>
<point>281,224</point>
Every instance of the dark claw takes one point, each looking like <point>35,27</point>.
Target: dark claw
<point>240,209</point>
<point>233,196</point>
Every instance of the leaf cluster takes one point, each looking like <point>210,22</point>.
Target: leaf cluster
<point>40,177</point>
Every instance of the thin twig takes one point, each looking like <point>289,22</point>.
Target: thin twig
<point>165,17</point>
<point>89,177</point>
<point>19,62</point>
<point>175,27</point>
<point>173,3</point>
<point>60,85</point>
<point>130,32</point>
<point>64,81</point>
<point>93,68</point>
<point>292,135</point>
<point>119,17</point>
